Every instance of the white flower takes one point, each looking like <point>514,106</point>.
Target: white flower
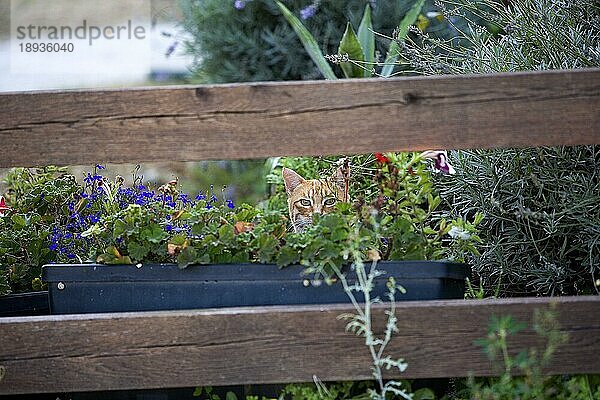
<point>459,233</point>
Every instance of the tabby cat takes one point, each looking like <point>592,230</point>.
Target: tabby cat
<point>312,196</point>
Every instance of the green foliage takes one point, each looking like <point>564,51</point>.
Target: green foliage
<point>330,391</point>
<point>257,44</point>
<point>309,42</point>
<point>360,324</point>
<point>409,202</point>
<point>366,37</point>
<point>540,232</point>
<point>400,35</point>
<point>535,35</point>
<point>38,198</point>
<point>541,227</point>
<point>397,221</point>
<point>107,222</point>
<point>242,180</point>
<point>521,375</point>
<point>222,235</point>
<point>355,55</point>
<point>351,46</point>
<point>207,392</point>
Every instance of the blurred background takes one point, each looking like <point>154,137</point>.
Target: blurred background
<point>169,64</point>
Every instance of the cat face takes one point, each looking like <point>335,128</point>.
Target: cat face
<point>311,196</point>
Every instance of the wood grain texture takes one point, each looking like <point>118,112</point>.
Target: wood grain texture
<point>270,344</point>
<point>255,120</point>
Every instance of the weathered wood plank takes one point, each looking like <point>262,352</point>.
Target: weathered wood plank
<point>269,344</point>
<point>256,120</point>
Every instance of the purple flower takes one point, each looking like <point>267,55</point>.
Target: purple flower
<point>168,227</point>
<point>308,11</point>
<point>91,178</point>
<point>184,198</point>
<point>239,4</point>
<point>171,49</point>
<point>230,204</point>
<point>98,166</point>
<point>169,201</point>
<point>441,161</point>
<point>200,197</point>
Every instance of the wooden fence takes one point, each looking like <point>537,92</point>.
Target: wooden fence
<point>285,344</point>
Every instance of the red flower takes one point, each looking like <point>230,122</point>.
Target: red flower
<point>381,158</point>
<point>3,206</point>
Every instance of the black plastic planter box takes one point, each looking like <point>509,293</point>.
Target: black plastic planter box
<point>91,288</point>
<point>23,304</point>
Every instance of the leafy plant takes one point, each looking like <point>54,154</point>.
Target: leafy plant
<point>540,230</point>
<point>521,375</point>
<point>38,199</point>
<point>540,233</point>
<point>323,391</point>
<point>361,324</point>
<point>249,42</point>
<point>397,224</point>
<point>207,393</point>
<point>356,53</point>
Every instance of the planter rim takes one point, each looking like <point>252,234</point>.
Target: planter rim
<point>24,295</point>
<point>29,303</point>
<point>234,272</point>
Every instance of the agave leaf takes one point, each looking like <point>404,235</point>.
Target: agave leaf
<point>394,50</point>
<point>309,42</point>
<point>351,46</point>
<point>366,37</point>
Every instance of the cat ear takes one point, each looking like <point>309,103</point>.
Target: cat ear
<point>339,178</point>
<point>291,179</point>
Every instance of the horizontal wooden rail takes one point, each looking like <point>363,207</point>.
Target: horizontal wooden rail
<point>257,120</point>
<point>271,344</point>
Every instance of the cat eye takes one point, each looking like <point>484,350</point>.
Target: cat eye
<point>330,201</point>
<point>305,202</point>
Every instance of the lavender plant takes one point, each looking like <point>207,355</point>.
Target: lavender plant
<point>533,35</point>
<point>540,230</point>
